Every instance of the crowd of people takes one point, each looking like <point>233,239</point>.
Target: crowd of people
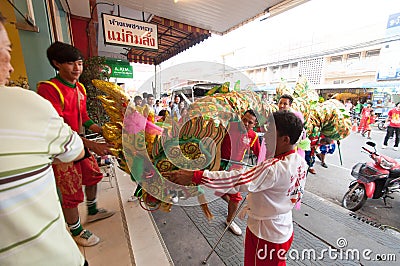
<point>367,117</point>
<point>177,108</point>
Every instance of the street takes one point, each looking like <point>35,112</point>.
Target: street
<point>332,183</point>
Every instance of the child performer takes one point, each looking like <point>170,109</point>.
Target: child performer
<point>274,187</point>
<point>371,120</point>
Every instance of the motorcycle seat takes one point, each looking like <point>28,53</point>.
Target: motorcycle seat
<point>394,173</point>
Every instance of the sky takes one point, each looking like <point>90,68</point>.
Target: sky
<point>317,25</point>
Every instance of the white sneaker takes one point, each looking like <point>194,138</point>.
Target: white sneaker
<point>132,198</point>
<point>384,147</point>
<point>234,228</point>
<point>175,199</point>
<point>396,148</point>
<point>86,239</point>
<point>100,215</point>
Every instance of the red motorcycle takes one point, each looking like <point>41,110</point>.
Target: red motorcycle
<point>377,179</point>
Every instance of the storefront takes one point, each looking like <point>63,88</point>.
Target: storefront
<point>385,94</point>
<point>343,92</point>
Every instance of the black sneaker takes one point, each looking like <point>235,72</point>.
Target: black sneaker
<point>324,165</point>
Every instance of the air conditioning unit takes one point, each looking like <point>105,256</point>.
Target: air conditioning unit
<point>338,81</point>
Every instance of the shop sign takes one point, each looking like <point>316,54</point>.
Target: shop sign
<point>118,69</point>
<point>393,24</point>
<point>389,67</point>
<point>128,32</point>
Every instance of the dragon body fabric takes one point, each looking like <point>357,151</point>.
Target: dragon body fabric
<point>146,148</point>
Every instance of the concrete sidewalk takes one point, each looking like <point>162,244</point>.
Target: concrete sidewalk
<point>183,236</point>
<point>130,236</point>
<point>321,229</point>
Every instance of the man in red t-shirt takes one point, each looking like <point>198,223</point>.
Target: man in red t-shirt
<point>394,127</point>
<point>68,97</point>
<point>239,139</point>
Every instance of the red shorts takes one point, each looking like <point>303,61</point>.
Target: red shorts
<point>235,197</point>
<point>258,251</point>
<point>71,176</point>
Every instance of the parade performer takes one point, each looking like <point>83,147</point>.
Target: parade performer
<point>310,154</point>
<point>326,146</point>
<point>393,120</point>
<point>285,103</point>
<point>365,115</point>
<point>274,187</point>
<point>68,97</point>
<point>370,120</point>
<point>239,139</point>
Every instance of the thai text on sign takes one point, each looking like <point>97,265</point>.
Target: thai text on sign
<point>129,32</point>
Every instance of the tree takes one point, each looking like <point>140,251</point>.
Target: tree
<point>94,69</point>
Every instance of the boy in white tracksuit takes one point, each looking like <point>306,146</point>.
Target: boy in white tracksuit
<point>274,187</point>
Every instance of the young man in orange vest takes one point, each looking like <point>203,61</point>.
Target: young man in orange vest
<point>68,97</point>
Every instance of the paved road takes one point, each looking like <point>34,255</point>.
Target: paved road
<point>332,183</point>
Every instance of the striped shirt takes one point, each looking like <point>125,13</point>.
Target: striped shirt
<point>32,225</point>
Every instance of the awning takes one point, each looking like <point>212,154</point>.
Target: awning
<point>382,84</point>
<point>173,38</point>
<point>182,23</point>
<point>356,85</point>
<point>266,88</point>
<point>216,16</point>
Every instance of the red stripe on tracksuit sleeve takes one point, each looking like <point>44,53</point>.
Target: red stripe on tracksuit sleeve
<point>240,178</point>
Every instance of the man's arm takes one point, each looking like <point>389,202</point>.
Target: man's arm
<point>80,156</point>
<point>97,147</point>
<point>96,129</point>
<point>388,118</point>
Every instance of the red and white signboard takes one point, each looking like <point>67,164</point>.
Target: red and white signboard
<point>128,32</point>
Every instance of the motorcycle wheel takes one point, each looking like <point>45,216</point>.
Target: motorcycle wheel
<point>355,197</point>
<point>381,125</point>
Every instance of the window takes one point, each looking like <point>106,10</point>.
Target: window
<point>372,53</point>
<point>312,69</point>
<point>285,66</point>
<point>337,58</point>
<point>354,56</point>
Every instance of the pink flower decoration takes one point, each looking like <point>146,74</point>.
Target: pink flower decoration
<point>134,122</point>
<point>153,129</point>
